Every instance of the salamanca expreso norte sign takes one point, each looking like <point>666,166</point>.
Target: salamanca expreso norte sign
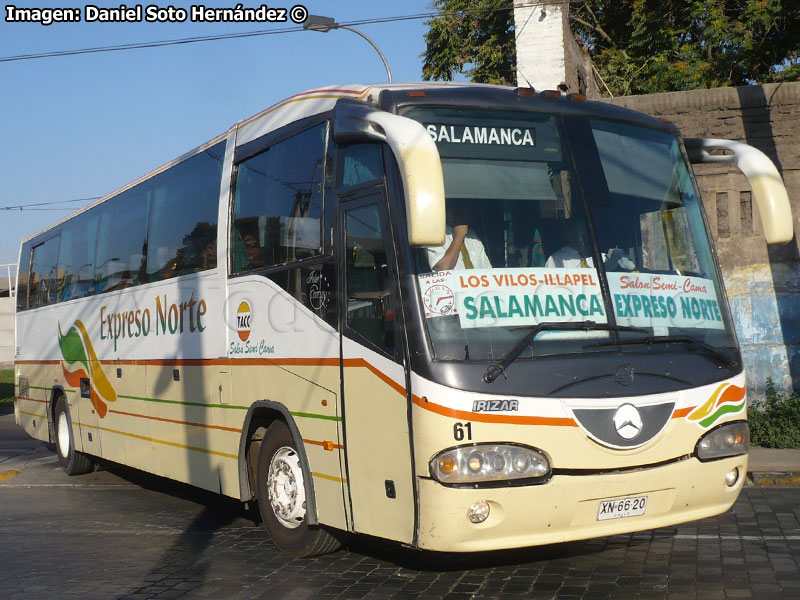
<point>514,297</point>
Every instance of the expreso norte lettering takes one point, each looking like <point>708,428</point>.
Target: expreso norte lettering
<point>171,318</point>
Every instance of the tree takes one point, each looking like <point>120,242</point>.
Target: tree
<point>637,46</point>
<point>474,38</point>
<point>648,46</point>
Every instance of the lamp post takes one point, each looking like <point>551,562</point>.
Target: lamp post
<point>325,24</point>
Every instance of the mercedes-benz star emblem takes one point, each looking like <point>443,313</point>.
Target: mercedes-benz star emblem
<point>628,422</point>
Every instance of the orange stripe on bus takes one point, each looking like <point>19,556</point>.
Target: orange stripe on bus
<point>682,412</point>
<point>329,91</point>
<point>30,399</point>
<point>37,362</point>
<point>423,403</point>
<point>487,418</point>
<point>127,414</point>
<point>325,444</point>
<point>360,362</point>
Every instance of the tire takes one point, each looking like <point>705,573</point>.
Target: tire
<point>282,499</point>
<point>72,461</point>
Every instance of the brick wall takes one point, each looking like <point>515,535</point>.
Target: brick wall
<point>763,283</point>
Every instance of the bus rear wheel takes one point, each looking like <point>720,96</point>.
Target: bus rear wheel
<point>282,498</point>
<point>72,461</point>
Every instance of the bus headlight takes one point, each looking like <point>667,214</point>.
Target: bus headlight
<point>487,465</point>
<point>731,439</point>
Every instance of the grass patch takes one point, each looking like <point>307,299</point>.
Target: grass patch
<point>775,420</point>
<point>7,387</point>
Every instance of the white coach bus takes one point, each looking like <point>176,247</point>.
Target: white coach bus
<point>459,317</point>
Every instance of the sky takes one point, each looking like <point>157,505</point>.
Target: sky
<point>83,126</point>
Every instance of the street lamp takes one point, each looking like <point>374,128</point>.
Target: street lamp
<point>325,24</point>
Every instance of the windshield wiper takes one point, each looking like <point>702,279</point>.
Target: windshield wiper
<point>495,370</point>
<point>697,346</point>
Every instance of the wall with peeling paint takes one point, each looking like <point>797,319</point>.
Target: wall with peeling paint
<point>763,283</point>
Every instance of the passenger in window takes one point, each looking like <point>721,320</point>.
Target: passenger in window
<point>176,266</point>
<point>209,256</point>
<point>252,250</point>
<point>246,253</point>
<point>462,248</point>
<point>577,253</point>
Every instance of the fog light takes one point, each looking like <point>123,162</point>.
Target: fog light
<point>732,477</point>
<point>478,512</point>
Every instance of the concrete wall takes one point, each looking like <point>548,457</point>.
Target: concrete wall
<point>763,283</point>
<point>6,331</point>
<point>548,56</point>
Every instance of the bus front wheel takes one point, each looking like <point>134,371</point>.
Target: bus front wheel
<point>72,461</point>
<point>282,498</point>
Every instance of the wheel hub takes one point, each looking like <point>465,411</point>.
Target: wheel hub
<point>287,494</point>
<point>63,434</point>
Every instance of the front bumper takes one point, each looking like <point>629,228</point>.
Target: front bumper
<point>565,508</point>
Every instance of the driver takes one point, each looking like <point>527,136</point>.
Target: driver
<point>462,249</point>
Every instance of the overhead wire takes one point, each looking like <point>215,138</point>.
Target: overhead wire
<point>226,36</point>
<point>21,206</point>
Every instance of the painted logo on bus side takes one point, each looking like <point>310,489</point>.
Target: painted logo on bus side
<point>726,399</point>
<point>243,317</point>
<point>171,318</point>
<point>80,362</point>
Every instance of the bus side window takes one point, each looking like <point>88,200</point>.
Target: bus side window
<point>278,203</point>
<point>76,256</point>
<point>183,216</point>
<point>369,285</point>
<point>121,241</point>
<point>44,274</point>
<point>360,163</point>
<point>24,276</point>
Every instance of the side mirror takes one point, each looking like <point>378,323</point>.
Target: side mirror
<point>768,189</point>
<point>417,158</point>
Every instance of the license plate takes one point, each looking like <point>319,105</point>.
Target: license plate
<point>619,508</point>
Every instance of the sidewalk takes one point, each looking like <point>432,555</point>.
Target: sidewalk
<point>773,467</point>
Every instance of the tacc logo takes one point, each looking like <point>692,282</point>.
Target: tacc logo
<point>243,321</point>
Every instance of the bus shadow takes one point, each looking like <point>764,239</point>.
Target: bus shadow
<point>428,561</point>
<point>188,558</point>
<point>182,491</point>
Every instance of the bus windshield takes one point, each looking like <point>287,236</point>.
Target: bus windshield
<point>566,219</point>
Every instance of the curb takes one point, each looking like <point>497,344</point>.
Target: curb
<point>772,479</point>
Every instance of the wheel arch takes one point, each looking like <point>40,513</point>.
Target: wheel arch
<point>56,392</point>
<point>259,416</point>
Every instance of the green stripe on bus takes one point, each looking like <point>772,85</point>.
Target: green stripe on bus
<point>315,416</point>
<point>201,404</point>
<point>47,389</point>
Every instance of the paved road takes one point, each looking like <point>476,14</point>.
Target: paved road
<point>117,533</point>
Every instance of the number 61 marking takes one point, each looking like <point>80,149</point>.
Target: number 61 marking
<point>462,431</point>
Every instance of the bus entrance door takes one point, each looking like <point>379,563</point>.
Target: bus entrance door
<point>376,432</point>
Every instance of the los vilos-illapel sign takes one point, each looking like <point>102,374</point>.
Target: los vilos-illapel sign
<point>514,297</point>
